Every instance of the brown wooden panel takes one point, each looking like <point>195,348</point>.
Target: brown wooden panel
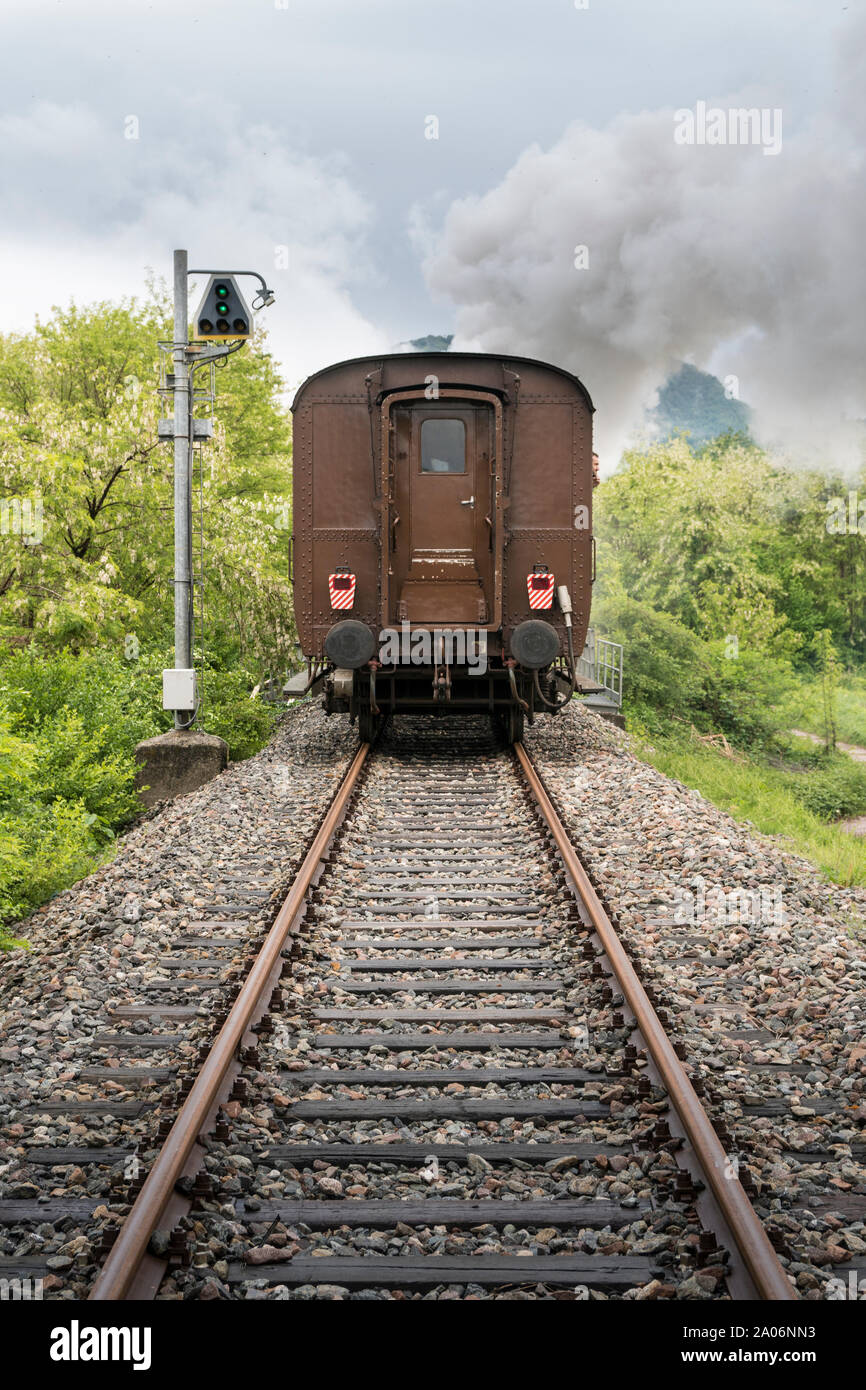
<point>137,1042</point>
<point>433,943</point>
<point>416,985</point>
<point>30,1212</point>
<point>153,1010</point>
<point>439,924</point>
<point>63,1157</point>
<point>376,965</point>
<point>122,1110</point>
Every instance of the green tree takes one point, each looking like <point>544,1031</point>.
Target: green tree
<point>828,675</point>
<point>78,446</point>
<point>695,403</point>
<point>729,546</point>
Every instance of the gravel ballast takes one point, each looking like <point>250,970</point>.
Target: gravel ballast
<point>102,945</point>
<point>738,936</point>
<point>758,963</point>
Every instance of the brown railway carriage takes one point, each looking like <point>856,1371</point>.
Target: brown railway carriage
<point>442,534</point>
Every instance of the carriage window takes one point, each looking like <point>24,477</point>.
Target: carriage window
<point>443,446</point>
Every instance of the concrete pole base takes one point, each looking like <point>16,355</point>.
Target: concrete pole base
<point>178,762</point>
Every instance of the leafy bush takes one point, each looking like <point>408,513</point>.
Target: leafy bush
<point>245,724</point>
<point>666,663</point>
<point>755,792</point>
<point>739,693</point>
<point>44,849</point>
<point>68,730</point>
<point>106,692</point>
<point>671,672</point>
<point>78,431</point>
<point>801,707</point>
<point>78,765</point>
<point>836,789</point>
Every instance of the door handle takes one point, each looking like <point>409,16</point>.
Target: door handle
<point>468,502</point>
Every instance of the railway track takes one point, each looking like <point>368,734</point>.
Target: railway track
<point>437,1048</point>
<point>436,1072</point>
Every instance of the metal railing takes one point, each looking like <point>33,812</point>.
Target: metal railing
<point>601,661</point>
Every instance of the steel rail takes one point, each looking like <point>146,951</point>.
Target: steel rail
<point>752,1241</point>
<point>118,1272</point>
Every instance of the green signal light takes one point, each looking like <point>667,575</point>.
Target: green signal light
<point>222,291</point>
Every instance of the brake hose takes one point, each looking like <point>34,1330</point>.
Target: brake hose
<point>553,704</point>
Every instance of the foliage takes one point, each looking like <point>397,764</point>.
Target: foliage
<point>836,788</point>
<point>86,560</point>
<point>433,342</point>
<point>828,676</point>
<point>721,559</point>
<point>732,543</point>
<point>686,533</point>
<point>78,446</point>
<point>739,605</point>
<point>666,662</point>
<point>753,791</point>
<point>695,403</point>
<point>802,707</point>
<point>68,728</point>
<point>43,848</point>
<point>673,672</point>
<point>245,724</point>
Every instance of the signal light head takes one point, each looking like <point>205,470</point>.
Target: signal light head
<point>223,311</point>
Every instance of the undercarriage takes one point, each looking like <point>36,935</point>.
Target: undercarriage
<point>508,694</point>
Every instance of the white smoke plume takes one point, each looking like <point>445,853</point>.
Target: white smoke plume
<point>747,264</point>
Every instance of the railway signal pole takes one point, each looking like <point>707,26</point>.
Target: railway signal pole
<point>222,315</point>
<point>182,678</point>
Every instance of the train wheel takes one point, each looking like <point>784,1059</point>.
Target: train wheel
<point>514,724</point>
<point>368,724</point>
<point>510,724</point>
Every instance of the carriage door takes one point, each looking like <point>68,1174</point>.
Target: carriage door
<point>442,555</point>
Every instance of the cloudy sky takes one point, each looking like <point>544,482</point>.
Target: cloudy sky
<point>263,124</point>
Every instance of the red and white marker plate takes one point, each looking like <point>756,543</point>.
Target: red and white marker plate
<point>540,589</point>
<point>341,587</point>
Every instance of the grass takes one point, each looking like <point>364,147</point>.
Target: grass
<point>802,709</point>
<point>752,791</point>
